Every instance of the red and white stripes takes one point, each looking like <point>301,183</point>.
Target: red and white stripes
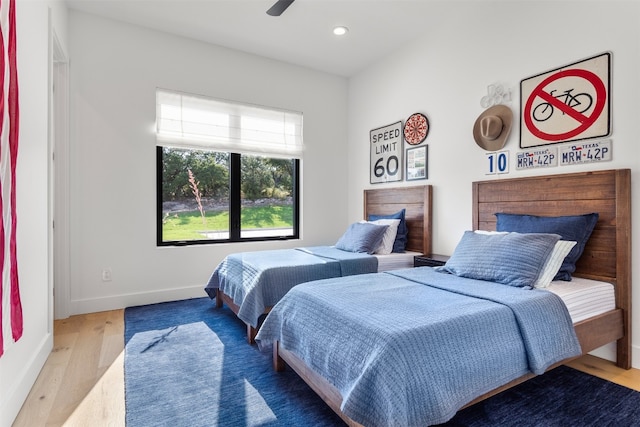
<point>11,308</point>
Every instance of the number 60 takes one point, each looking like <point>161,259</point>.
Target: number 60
<point>391,169</point>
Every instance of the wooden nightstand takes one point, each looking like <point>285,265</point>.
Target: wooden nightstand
<point>433,260</point>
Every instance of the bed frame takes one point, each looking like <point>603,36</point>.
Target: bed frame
<point>607,256</point>
<point>417,204</point>
<point>415,200</point>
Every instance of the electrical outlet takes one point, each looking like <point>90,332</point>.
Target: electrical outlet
<point>106,275</point>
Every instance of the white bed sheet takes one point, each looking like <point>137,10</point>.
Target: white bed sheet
<point>395,261</point>
<point>584,298</point>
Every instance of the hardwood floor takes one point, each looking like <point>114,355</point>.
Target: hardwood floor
<point>82,382</point>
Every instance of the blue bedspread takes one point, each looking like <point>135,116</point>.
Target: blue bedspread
<point>411,347</point>
<point>257,280</point>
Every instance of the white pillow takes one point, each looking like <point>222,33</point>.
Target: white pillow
<point>554,262</point>
<point>386,246</point>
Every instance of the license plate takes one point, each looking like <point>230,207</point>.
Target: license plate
<point>543,158</point>
<point>587,152</point>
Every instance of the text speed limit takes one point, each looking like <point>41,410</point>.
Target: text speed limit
<point>386,153</point>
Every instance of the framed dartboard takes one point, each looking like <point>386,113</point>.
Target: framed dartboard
<point>416,129</point>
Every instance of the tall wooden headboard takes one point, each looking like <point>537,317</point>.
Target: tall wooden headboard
<point>607,255</point>
<point>416,201</point>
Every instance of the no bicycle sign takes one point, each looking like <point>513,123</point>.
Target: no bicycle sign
<point>566,104</point>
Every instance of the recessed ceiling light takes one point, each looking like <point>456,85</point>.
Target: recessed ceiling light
<point>340,30</point>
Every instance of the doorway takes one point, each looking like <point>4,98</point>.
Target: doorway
<point>59,270</point>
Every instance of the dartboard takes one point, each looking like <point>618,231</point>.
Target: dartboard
<point>416,128</point>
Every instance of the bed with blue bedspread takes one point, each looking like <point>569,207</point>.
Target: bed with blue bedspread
<point>410,347</point>
<point>257,280</point>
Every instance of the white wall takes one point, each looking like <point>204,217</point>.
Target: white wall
<point>445,73</point>
<point>22,361</point>
<point>115,69</point>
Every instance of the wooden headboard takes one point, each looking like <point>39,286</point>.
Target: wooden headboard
<point>607,255</point>
<point>416,201</point>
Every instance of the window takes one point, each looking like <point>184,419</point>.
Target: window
<point>226,172</point>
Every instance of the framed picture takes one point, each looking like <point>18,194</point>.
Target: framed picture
<point>417,163</point>
<point>566,104</point>
<point>386,153</point>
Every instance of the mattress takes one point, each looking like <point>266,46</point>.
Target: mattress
<point>395,261</point>
<point>584,298</point>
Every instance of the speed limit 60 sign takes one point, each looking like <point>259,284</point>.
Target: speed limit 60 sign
<point>386,153</point>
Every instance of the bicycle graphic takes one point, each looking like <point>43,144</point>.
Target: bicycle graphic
<point>580,102</point>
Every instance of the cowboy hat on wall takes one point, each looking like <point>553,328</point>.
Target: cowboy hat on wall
<point>492,127</point>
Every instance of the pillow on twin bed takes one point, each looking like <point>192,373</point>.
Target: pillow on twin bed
<point>554,262</point>
<point>513,259</point>
<point>400,243</point>
<point>388,238</point>
<point>362,237</point>
<point>576,228</point>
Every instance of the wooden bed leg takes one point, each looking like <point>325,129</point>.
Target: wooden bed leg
<point>623,352</point>
<point>218,298</point>
<point>251,334</point>
<point>278,363</point>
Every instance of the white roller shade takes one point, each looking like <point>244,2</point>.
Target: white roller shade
<point>191,121</point>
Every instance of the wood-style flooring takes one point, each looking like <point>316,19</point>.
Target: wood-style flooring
<point>82,382</point>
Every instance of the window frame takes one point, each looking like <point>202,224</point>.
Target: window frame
<point>235,205</point>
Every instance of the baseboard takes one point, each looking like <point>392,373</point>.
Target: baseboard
<point>608,352</point>
<point>18,391</point>
<point>115,302</point>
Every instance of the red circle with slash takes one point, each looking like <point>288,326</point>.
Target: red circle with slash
<point>584,121</point>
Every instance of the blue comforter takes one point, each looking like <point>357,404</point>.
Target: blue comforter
<point>257,280</point>
<point>411,347</point>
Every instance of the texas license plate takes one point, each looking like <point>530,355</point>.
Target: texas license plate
<point>543,158</point>
<point>586,153</point>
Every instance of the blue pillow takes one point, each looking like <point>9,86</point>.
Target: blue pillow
<point>362,237</point>
<point>400,244</point>
<point>513,259</point>
<point>571,227</point>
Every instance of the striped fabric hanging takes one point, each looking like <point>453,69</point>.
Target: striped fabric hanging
<point>11,307</point>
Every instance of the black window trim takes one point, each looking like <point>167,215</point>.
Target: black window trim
<point>235,205</point>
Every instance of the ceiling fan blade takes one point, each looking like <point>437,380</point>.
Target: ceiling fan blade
<point>279,7</point>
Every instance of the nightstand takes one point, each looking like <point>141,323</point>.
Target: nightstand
<point>433,260</point>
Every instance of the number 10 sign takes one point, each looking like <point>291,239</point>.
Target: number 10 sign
<point>497,163</point>
<point>386,153</point>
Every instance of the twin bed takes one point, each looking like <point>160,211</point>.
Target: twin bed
<point>413,346</point>
<point>250,283</point>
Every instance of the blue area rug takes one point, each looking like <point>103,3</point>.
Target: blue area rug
<point>188,364</point>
